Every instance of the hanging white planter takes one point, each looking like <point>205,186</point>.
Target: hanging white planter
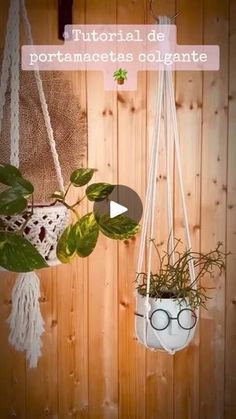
<point>170,324</point>
<point>47,223</point>
<point>43,229</point>
<point>151,314</point>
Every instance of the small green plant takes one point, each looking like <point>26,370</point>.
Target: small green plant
<point>120,75</point>
<point>173,278</point>
<point>79,238</point>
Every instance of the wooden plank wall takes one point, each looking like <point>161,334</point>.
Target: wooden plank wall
<point>92,365</point>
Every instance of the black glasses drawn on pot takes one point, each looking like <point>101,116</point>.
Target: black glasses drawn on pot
<point>160,319</point>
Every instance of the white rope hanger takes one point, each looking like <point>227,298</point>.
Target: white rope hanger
<point>26,322</point>
<point>11,68</point>
<point>165,102</point>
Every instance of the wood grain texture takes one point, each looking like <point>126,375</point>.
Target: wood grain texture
<point>213,210</point>
<point>131,172</point>
<point>230,301</point>
<point>159,365</point>
<point>189,112</point>
<point>41,399</point>
<point>92,366</point>
<point>102,293</point>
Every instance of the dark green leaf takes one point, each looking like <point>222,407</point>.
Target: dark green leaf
<point>58,195</point>
<point>86,231</point>
<point>81,177</point>
<point>99,191</point>
<point>11,202</point>
<point>118,228</point>
<point>17,254</point>
<point>23,187</point>
<point>8,174</point>
<point>66,245</point>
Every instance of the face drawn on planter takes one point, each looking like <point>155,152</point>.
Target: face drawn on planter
<point>160,319</point>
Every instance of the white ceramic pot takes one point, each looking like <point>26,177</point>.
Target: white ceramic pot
<point>166,317</point>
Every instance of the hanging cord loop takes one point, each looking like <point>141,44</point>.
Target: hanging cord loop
<point>157,18</point>
<point>11,68</point>
<point>10,65</point>
<point>166,101</point>
<point>15,85</point>
<point>43,102</point>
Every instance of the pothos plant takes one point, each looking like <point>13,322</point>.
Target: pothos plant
<point>79,238</point>
<point>173,277</point>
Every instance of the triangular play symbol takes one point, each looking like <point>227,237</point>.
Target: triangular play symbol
<point>116,209</point>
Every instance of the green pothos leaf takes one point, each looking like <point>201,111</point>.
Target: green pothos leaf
<point>17,254</point>
<point>86,231</point>
<point>8,174</point>
<point>81,177</point>
<point>12,202</point>
<point>13,199</point>
<point>66,245</point>
<point>118,228</point>
<point>58,195</point>
<point>23,187</point>
<point>99,191</point>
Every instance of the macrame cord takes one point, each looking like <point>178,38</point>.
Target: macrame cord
<point>165,102</point>
<point>26,322</point>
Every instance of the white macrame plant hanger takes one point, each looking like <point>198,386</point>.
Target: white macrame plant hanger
<point>165,103</point>
<point>26,322</point>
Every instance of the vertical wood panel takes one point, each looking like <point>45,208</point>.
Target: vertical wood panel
<point>92,365</point>
<point>159,375</point>
<point>41,397</point>
<point>72,340</point>
<point>131,155</point>
<point>12,363</point>
<point>72,297</point>
<point>230,330</point>
<point>213,210</point>
<point>102,152</point>
<point>189,111</point>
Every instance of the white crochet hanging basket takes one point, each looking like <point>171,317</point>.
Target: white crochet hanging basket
<point>43,229</point>
<point>46,223</point>
<point>166,318</point>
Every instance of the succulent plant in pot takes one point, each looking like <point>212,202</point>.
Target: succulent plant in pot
<point>174,299</point>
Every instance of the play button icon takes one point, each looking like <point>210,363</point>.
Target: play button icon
<point>116,209</point>
<point>123,201</point>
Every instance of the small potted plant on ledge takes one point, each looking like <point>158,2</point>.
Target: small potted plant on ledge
<point>174,300</point>
<point>120,75</point>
